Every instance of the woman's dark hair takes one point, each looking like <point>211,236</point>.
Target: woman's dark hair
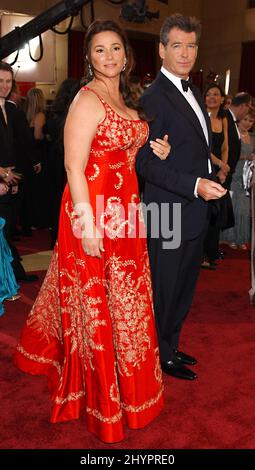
<point>65,95</point>
<point>99,26</point>
<point>60,106</point>
<point>222,112</point>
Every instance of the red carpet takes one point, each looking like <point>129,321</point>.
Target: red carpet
<point>214,412</point>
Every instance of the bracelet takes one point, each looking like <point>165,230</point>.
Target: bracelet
<point>6,174</point>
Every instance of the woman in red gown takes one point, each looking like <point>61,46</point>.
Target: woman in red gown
<point>91,329</point>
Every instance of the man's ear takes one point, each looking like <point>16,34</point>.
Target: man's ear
<point>162,51</point>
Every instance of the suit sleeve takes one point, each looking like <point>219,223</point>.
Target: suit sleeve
<point>150,167</point>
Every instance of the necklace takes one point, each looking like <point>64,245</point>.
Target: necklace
<point>244,134</point>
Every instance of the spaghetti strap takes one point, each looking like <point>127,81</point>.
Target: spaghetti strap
<point>105,104</point>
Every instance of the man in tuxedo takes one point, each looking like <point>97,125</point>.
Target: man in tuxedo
<point>240,106</point>
<point>174,107</point>
<point>26,160</point>
<point>8,163</point>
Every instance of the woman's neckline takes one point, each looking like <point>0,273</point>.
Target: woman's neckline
<point>110,106</point>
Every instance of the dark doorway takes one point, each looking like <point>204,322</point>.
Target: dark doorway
<point>145,48</point>
<point>247,68</point>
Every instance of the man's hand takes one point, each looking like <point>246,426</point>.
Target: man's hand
<point>208,189</point>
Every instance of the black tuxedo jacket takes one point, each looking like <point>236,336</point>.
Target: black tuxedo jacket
<point>7,148</point>
<point>234,145</point>
<point>173,180</point>
<point>24,145</point>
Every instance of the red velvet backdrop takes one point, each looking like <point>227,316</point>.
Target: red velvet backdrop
<point>24,87</point>
<point>75,54</point>
<point>145,56</point>
<point>247,69</point>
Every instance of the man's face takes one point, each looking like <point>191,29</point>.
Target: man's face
<point>5,83</point>
<point>242,110</point>
<point>180,53</point>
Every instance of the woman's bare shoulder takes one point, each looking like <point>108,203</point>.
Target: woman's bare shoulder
<point>88,104</point>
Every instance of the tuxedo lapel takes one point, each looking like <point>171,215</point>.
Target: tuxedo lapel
<point>200,101</point>
<point>182,104</point>
<point>2,119</point>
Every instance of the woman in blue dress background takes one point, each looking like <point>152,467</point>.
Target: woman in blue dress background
<point>8,284</point>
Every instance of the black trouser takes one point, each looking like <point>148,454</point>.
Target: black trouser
<point>211,242</point>
<point>174,278</point>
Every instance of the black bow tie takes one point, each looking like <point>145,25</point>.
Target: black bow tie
<point>186,84</point>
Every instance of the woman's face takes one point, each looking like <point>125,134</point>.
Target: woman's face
<point>107,54</point>
<point>213,98</point>
<point>246,123</point>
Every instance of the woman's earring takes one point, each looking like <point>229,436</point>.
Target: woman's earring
<point>125,64</point>
<point>90,70</point>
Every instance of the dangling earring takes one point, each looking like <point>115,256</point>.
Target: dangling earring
<point>125,64</point>
<point>89,67</point>
<point>90,70</point>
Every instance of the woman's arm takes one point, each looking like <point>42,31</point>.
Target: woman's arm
<point>216,161</point>
<point>224,147</point>
<point>82,120</point>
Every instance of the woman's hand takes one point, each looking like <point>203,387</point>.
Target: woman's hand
<point>92,242</point>
<point>161,147</point>
<point>4,188</point>
<point>225,168</point>
<point>221,176</point>
<point>11,178</point>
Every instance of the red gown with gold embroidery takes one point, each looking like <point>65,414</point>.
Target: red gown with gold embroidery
<point>91,329</point>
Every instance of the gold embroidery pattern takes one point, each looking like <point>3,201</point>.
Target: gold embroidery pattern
<point>83,310</point>
<point>117,133</point>
<point>147,277</point>
<point>70,397</point>
<point>113,218</point>
<point>114,389</point>
<point>157,370</point>
<point>100,417</point>
<point>45,314</point>
<point>120,183</point>
<point>40,359</point>
<point>129,313</point>
<point>116,166</point>
<point>96,174</point>
<point>144,406</point>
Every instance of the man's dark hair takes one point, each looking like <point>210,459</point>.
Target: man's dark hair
<point>241,98</point>
<point>189,24</point>
<point>6,67</point>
